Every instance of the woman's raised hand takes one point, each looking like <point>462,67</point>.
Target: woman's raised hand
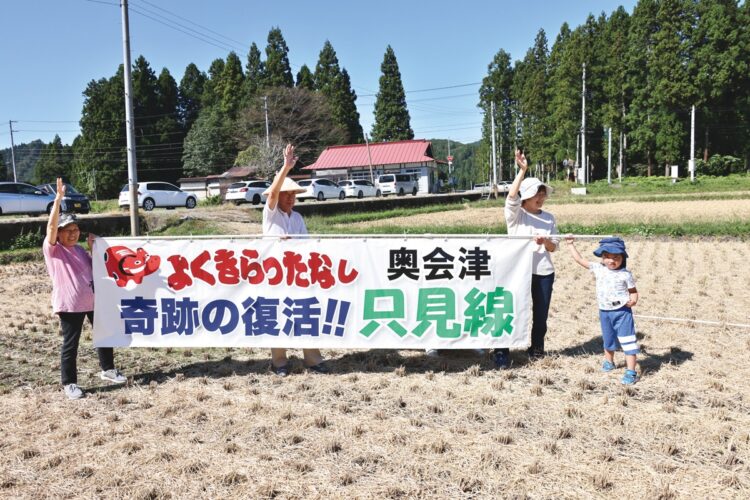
<point>521,160</point>
<point>289,159</point>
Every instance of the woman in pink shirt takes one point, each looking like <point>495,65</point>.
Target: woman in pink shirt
<point>69,266</point>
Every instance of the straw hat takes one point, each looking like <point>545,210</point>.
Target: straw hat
<point>288,185</point>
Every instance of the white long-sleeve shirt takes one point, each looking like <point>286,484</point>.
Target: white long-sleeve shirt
<point>521,222</point>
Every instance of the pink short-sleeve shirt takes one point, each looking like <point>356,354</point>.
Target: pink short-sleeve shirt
<point>72,277</point>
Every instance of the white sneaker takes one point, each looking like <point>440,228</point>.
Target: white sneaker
<point>73,391</point>
<point>114,376</point>
<point>432,353</point>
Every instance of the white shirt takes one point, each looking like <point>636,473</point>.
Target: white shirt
<point>611,286</point>
<point>277,222</point>
<point>521,222</point>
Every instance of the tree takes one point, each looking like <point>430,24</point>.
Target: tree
<point>55,161</point>
<point>392,122</point>
<point>100,149</point>
<point>563,97</point>
<point>278,73</point>
<point>496,88</point>
<point>531,76</point>
<point>305,78</point>
<point>168,130</point>
<point>335,85</point>
<point>212,87</point>
<point>232,82</point>
<point>209,148</point>
<point>189,96</point>
<point>295,115</point>
<point>255,72</point>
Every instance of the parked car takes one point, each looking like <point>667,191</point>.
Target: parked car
<point>73,201</point>
<point>359,188</point>
<point>158,194</point>
<point>486,188</point>
<point>22,198</point>
<point>399,184</point>
<point>247,192</point>
<point>320,189</point>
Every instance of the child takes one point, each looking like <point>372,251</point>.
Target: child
<point>616,294</point>
<point>69,266</point>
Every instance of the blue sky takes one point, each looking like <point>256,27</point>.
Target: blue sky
<point>51,49</point>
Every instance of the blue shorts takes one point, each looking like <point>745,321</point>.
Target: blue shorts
<point>618,330</point>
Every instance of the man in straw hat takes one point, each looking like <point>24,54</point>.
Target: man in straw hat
<point>279,219</point>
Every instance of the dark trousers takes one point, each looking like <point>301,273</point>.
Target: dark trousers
<point>71,325</point>
<point>541,297</point>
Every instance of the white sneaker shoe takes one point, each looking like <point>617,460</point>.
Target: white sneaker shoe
<point>73,391</point>
<point>114,376</point>
<point>432,353</point>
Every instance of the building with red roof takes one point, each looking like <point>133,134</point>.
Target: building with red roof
<point>360,161</point>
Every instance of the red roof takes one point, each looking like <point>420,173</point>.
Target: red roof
<point>383,153</point>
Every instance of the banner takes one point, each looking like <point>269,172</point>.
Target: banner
<point>396,293</point>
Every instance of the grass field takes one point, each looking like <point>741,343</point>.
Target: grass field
<point>396,424</point>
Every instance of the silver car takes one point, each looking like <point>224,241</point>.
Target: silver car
<point>320,189</point>
<point>22,198</point>
<point>359,188</point>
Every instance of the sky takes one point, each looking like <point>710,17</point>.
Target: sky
<point>52,48</point>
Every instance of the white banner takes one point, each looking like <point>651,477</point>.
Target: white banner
<point>397,293</point>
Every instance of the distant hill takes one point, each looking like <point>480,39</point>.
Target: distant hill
<point>463,159</point>
<point>26,157</point>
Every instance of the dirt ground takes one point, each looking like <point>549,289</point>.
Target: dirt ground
<point>396,424</point>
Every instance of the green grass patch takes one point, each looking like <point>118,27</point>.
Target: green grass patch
<point>104,206</point>
<point>322,222</point>
<point>186,227</point>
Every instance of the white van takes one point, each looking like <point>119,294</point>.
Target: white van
<point>399,184</point>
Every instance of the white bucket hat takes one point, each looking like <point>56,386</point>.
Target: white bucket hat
<point>288,185</point>
<point>530,186</point>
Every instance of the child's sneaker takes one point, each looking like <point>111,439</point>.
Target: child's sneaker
<point>73,391</point>
<point>114,376</point>
<point>630,377</point>
<point>501,359</point>
<point>608,366</point>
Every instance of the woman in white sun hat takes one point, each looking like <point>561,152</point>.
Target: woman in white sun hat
<point>524,216</point>
<point>279,219</point>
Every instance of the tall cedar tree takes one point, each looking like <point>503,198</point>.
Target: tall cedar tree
<point>232,82</point>
<point>100,149</point>
<point>305,78</point>
<point>209,147</point>
<point>190,94</point>
<point>530,84</point>
<point>169,130</point>
<point>278,73</point>
<point>640,83</point>
<point>333,82</point>
<point>255,71</point>
<point>392,122</point>
<point>563,97</point>
<point>54,161</point>
<point>212,87</point>
<point>496,88</point>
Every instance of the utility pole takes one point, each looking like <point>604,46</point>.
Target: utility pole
<point>609,155</point>
<point>691,166</point>
<point>265,106</point>
<point>619,170</point>
<point>494,153</point>
<point>129,123</point>
<point>583,128</point>
<point>369,157</point>
<point>12,150</point>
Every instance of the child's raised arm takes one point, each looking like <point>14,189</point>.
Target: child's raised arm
<point>574,252</point>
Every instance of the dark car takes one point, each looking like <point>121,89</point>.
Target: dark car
<point>73,200</point>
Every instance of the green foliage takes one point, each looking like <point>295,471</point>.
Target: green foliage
<point>277,73</point>
<point>392,122</point>
<point>720,165</point>
<point>55,161</point>
<point>189,95</point>
<point>212,201</point>
<point>23,240</point>
<point>209,148</point>
<point>254,73</point>
<point>305,78</point>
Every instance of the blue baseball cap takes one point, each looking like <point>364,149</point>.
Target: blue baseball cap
<point>611,245</point>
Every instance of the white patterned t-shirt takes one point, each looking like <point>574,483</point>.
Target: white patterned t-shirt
<point>611,286</point>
